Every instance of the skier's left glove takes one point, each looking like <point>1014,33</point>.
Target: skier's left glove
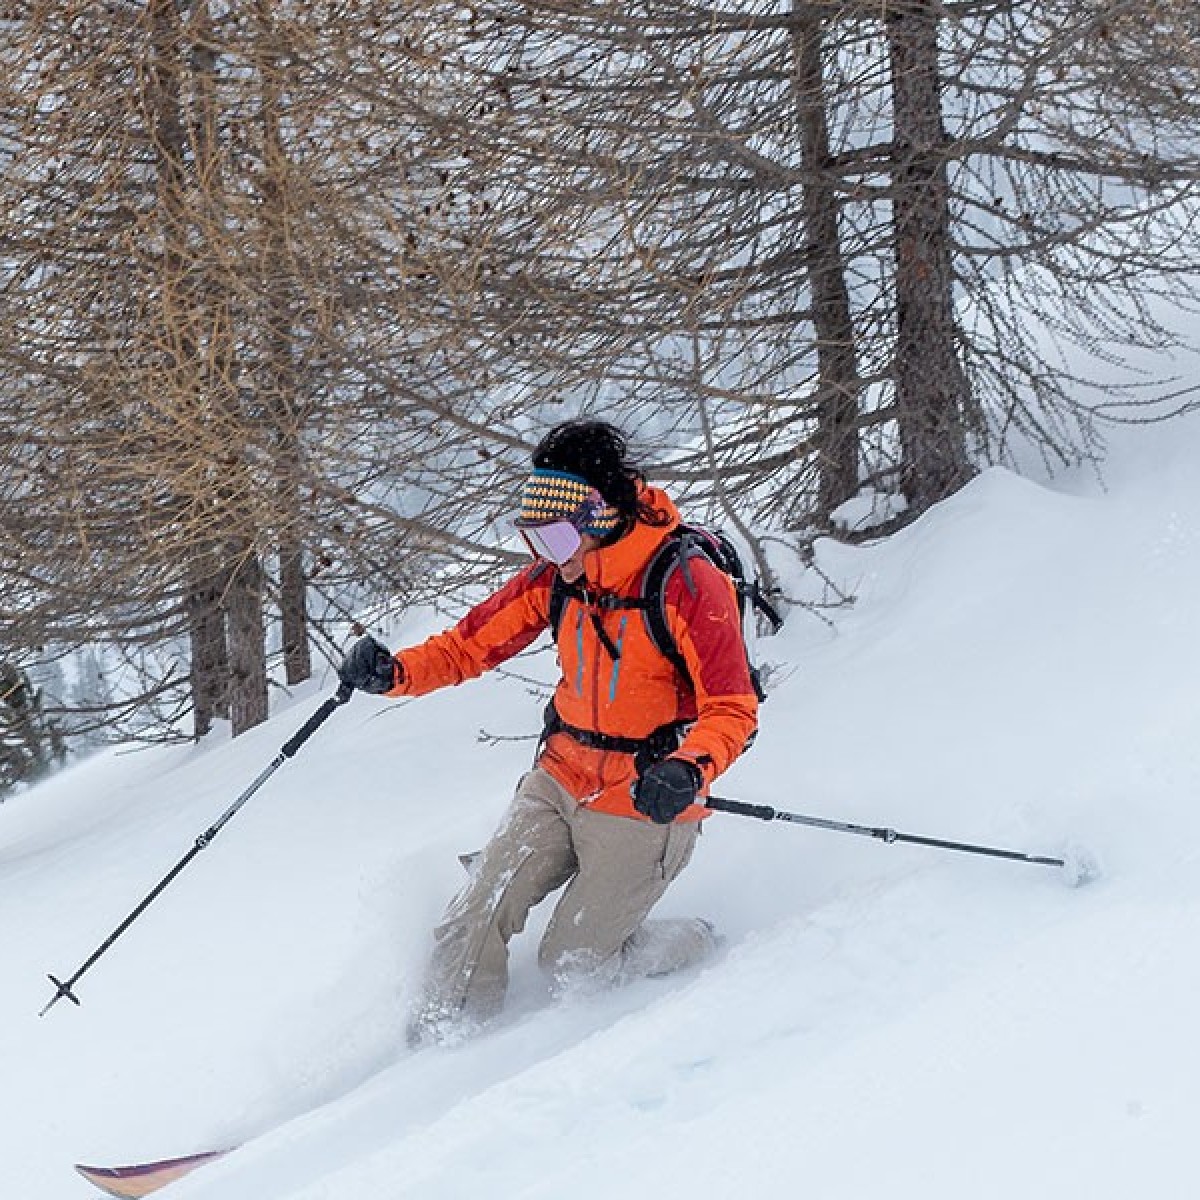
<point>666,788</point>
<point>370,667</point>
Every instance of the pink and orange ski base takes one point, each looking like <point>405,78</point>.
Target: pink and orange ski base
<point>130,1183</point>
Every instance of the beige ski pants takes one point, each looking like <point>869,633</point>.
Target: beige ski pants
<point>615,870</point>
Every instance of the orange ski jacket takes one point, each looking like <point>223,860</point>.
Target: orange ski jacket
<point>629,696</point>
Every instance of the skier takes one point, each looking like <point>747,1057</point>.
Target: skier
<point>613,804</point>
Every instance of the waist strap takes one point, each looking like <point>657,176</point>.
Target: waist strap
<point>653,747</point>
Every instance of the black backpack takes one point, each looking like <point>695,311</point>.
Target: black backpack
<point>684,543</point>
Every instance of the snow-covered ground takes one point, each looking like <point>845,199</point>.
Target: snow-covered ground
<point>1021,668</point>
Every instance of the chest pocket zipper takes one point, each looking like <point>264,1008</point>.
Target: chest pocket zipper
<point>579,653</point>
<point>616,667</point>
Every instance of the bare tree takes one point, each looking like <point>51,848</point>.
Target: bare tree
<point>832,314</point>
<point>933,399</point>
<point>288,298</point>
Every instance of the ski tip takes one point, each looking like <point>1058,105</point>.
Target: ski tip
<point>133,1182</point>
<point>1080,866</point>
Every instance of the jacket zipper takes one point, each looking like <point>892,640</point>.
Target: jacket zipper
<point>616,667</point>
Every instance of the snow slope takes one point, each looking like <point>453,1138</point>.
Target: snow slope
<point>1020,669</point>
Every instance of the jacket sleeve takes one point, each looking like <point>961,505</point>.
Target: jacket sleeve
<point>493,631</point>
<point>707,628</point>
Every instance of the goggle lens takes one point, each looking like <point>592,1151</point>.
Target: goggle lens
<point>555,541</point>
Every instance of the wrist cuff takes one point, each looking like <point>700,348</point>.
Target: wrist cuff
<point>697,770</point>
<point>398,677</point>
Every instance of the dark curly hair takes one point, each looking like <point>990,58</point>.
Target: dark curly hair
<point>599,452</point>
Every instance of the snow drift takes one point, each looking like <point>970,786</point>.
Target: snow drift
<point>1019,668</point>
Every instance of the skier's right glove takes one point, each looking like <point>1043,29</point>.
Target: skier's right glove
<point>370,667</point>
<point>666,788</point>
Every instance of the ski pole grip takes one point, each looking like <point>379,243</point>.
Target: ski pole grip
<point>316,720</point>
<point>764,812</point>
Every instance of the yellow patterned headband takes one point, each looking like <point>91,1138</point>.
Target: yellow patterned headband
<point>558,496</point>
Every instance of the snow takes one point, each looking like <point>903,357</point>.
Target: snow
<point>1019,669</point>
<point>867,510</point>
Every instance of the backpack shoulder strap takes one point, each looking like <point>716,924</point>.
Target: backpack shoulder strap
<point>671,555</point>
<point>681,545</point>
<point>685,544</point>
<point>560,592</point>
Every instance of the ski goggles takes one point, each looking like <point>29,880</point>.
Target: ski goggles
<point>557,509</point>
<point>555,541</point>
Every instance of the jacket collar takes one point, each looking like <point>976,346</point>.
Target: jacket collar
<point>617,568</point>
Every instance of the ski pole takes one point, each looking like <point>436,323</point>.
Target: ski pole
<point>765,812</point>
<point>344,692</point>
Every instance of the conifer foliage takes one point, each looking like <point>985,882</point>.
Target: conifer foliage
<point>288,291</point>
<point>30,743</point>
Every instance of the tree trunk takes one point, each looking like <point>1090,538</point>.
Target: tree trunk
<point>932,394</point>
<point>247,644</point>
<point>209,650</point>
<point>206,582</point>
<point>297,658</point>
<point>838,386</point>
<point>279,375</point>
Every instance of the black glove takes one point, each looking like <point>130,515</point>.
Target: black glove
<point>666,788</point>
<point>369,667</point>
